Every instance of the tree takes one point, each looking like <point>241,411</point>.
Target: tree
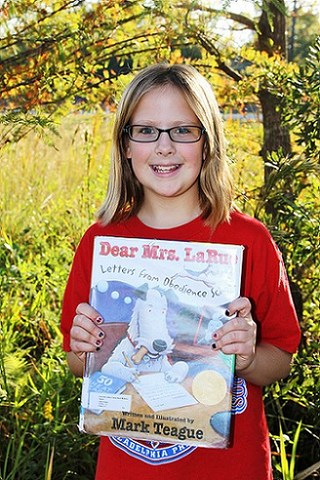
<point>300,102</point>
<point>269,29</point>
<point>55,56</point>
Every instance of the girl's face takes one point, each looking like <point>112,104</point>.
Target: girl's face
<point>164,168</point>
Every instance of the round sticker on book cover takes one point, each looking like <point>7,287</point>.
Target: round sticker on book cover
<point>209,387</point>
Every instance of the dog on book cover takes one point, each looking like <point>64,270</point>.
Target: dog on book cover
<point>148,343</point>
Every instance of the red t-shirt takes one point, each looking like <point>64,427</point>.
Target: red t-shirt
<point>265,283</point>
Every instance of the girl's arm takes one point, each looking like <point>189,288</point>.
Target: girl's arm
<point>260,364</point>
<point>75,364</point>
<point>269,364</point>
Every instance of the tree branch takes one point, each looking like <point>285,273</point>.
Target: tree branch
<point>212,49</point>
<point>17,36</point>
<point>236,17</point>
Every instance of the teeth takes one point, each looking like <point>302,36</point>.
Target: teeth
<point>164,169</point>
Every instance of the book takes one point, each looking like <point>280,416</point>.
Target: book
<point>156,376</point>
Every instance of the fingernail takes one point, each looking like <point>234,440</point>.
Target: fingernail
<point>101,334</point>
<point>99,320</point>
<point>214,346</point>
<point>98,343</point>
<point>227,313</point>
<point>215,335</point>
<point>97,349</point>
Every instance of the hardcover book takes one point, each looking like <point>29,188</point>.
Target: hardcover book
<point>156,376</point>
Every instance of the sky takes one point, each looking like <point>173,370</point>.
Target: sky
<point>247,7</point>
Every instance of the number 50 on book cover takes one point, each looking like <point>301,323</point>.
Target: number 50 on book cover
<point>157,376</point>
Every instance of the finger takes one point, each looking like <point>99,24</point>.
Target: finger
<point>237,341</point>
<point>242,342</point>
<point>79,335</point>
<point>78,332</point>
<point>87,324</point>
<point>80,348</point>
<point>237,336</point>
<point>82,321</point>
<point>89,312</point>
<point>244,349</point>
<point>236,324</point>
<point>84,330</point>
<point>241,306</point>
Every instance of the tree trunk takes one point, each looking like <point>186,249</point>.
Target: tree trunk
<point>275,136</point>
<point>272,39</point>
<point>272,28</point>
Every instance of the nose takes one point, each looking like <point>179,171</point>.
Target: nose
<point>164,145</point>
<point>159,345</point>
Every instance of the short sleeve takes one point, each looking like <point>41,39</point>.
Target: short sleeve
<point>78,286</point>
<point>267,286</point>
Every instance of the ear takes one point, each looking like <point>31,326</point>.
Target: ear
<point>204,152</point>
<point>133,328</point>
<point>141,291</point>
<point>128,151</point>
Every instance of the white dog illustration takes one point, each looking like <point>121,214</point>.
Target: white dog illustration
<point>147,343</point>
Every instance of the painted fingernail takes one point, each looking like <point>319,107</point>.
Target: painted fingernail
<point>98,343</point>
<point>215,335</point>
<point>97,349</point>
<point>99,320</point>
<point>214,346</point>
<point>227,313</point>
<point>101,334</point>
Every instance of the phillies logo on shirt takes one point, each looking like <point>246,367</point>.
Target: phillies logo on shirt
<point>152,452</point>
<point>239,396</point>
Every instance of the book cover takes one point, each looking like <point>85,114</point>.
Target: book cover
<point>157,377</point>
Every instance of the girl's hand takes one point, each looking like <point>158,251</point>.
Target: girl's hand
<point>85,335</point>
<point>239,335</point>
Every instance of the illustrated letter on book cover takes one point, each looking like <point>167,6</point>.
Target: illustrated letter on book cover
<point>157,376</point>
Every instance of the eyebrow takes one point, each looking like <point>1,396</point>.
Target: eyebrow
<point>175,123</point>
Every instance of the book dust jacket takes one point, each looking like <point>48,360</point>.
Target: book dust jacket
<point>157,377</point>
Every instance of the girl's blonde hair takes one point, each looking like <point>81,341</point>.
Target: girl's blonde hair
<point>125,194</point>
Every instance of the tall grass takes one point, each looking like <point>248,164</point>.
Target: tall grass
<point>50,190</point>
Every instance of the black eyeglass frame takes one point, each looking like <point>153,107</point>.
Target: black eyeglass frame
<point>127,128</point>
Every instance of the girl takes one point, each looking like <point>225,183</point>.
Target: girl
<point>169,180</point>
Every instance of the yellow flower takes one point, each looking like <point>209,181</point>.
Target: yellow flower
<point>47,411</point>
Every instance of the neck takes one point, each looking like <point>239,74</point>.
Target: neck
<point>168,214</point>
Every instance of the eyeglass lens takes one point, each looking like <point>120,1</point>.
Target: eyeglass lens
<point>183,133</point>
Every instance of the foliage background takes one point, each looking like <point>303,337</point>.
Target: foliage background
<point>54,166</point>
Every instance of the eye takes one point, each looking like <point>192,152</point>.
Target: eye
<point>146,130</point>
<point>182,130</point>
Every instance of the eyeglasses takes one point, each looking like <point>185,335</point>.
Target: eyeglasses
<point>179,134</point>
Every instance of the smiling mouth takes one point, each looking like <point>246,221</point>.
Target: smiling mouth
<point>164,168</point>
